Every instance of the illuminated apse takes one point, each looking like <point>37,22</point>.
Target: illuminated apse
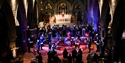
<point>63,18</point>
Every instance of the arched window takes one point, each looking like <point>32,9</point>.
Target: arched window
<point>48,6</point>
<point>62,5</point>
<point>62,8</point>
<point>77,6</point>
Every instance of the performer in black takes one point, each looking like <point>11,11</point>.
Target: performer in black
<point>65,53</point>
<point>39,57</point>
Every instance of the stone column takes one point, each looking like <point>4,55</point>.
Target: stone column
<point>24,41</point>
<point>113,4</point>
<point>100,6</point>
<point>117,49</point>
<point>26,6</point>
<point>21,16</point>
<point>14,6</point>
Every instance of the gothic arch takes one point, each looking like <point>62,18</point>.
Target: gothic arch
<point>104,21</point>
<point>51,5</point>
<point>3,31</point>
<point>61,1</point>
<point>31,15</point>
<point>21,16</point>
<point>118,20</point>
<point>10,21</point>
<point>79,3</point>
<point>8,26</point>
<point>118,26</point>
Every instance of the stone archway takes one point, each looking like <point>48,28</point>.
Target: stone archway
<point>69,7</point>
<point>48,12</point>
<point>78,11</point>
<point>104,22</point>
<point>117,30</point>
<point>118,21</point>
<point>104,18</point>
<point>21,30</point>
<point>3,33</point>
<point>80,4</point>
<point>7,28</point>
<point>48,6</point>
<point>48,2</point>
<point>31,14</point>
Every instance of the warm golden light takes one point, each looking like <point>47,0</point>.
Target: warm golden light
<point>41,9</point>
<point>33,3</point>
<point>63,18</point>
<point>100,6</point>
<point>14,7</point>
<point>112,7</point>
<point>26,6</point>
<point>113,2</point>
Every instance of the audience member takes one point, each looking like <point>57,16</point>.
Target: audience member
<point>69,58</point>
<point>65,53</point>
<point>39,57</point>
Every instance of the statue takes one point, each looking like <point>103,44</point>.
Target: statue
<point>14,51</point>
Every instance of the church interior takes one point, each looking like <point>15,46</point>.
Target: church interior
<point>23,22</point>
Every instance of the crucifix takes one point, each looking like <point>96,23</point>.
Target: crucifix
<point>14,51</point>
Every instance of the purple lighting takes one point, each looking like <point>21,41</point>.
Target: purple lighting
<point>96,15</point>
<point>93,14</point>
<point>90,12</point>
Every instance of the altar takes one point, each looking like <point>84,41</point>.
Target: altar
<point>63,18</point>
